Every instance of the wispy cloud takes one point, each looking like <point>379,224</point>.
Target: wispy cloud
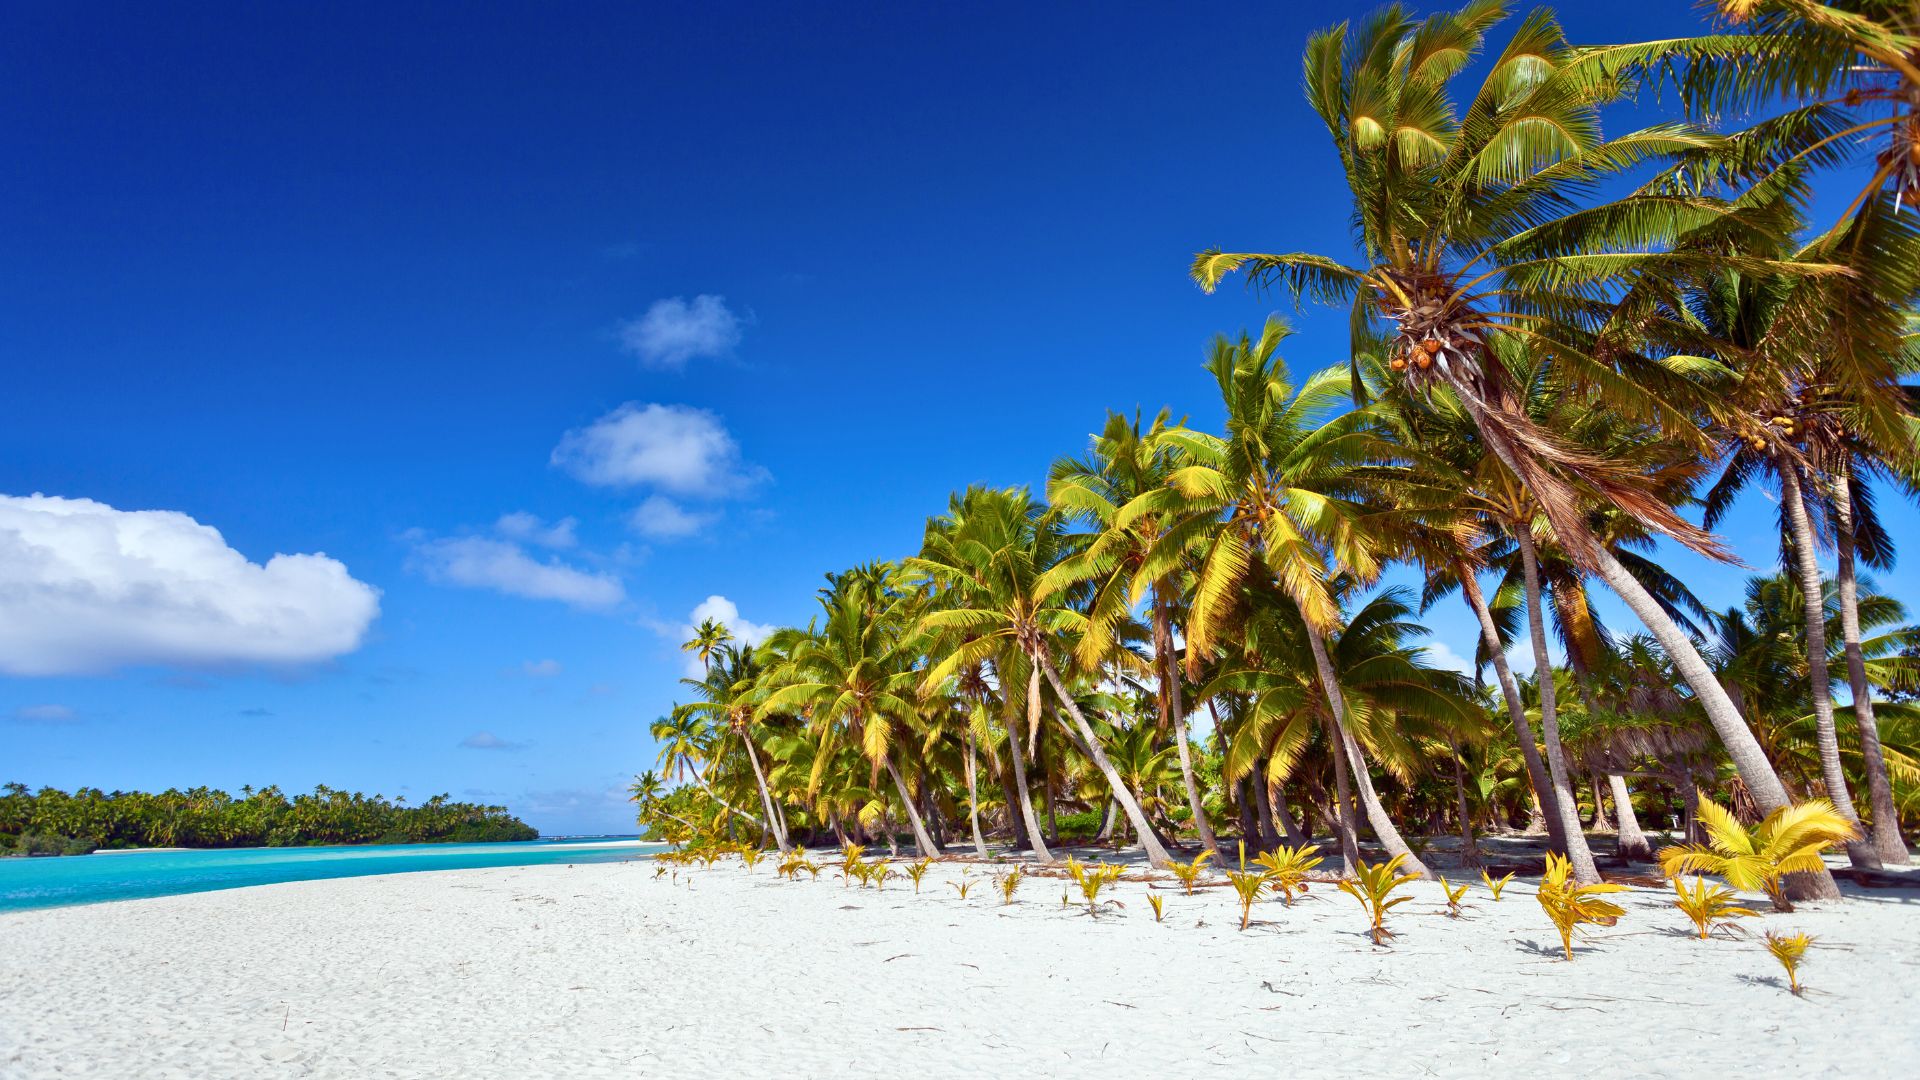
<point>541,669</point>
<point>480,562</point>
<point>487,740</point>
<point>676,330</point>
<point>529,529</point>
<point>678,449</point>
<point>660,518</point>
<point>50,715</point>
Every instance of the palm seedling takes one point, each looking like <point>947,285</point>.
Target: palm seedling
<point>1495,884</point>
<point>879,873</point>
<point>856,871</point>
<point>1091,880</point>
<point>750,855</point>
<point>1247,884</point>
<point>1454,895</point>
<point>1707,905</point>
<point>791,865</point>
<point>812,868</point>
<point>660,871</point>
<point>1288,867</point>
<point>1188,873</point>
<point>1007,883</point>
<point>961,886</point>
<point>1158,904</point>
<point>1789,949</point>
<point>1788,841</point>
<point>1571,905</point>
<point>1373,885</point>
<point>917,870</point>
<point>849,855</point>
<point>709,856</point>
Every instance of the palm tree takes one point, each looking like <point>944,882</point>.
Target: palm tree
<point>1464,217</point>
<point>854,677</point>
<point>708,638</point>
<point>687,746</point>
<point>1139,548</point>
<point>730,693</point>
<point>1284,491</point>
<point>1001,595</point>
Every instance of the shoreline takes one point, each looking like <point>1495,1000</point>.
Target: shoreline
<point>606,969</point>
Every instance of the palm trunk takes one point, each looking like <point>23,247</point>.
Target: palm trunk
<point>1343,818</point>
<point>1584,871</point>
<point>724,804</point>
<point>1735,736</point>
<point>1628,841</point>
<point>766,797</point>
<point>1174,714</point>
<point>1516,710</point>
<point>1861,852</point>
<point>1108,815</point>
<point>1599,822</point>
<point>1469,851</point>
<point>1027,818</point>
<point>1886,819</point>
<point>973,797</point>
<point>921,841</point>
<point>1383,826</point>
<point>1288,827</point>
<point>1156,855</point>
<point>1263,808</point>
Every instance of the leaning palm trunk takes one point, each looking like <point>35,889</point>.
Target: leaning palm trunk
<point>1173,712</point>
<point>973,797</point>
<point>1027,816</point>
<point>1813,604</point>
<point>1383,826</point>
<point>1628,841</point>
<point>766,797</point>
<point>1886,819</point>
<point>1342,820</point>
<point>724,804</point>
<point>1516,709</point>
<point>1156,854</point>
<point>1469,851</point>
<point>921,841</point>
<point>1584,871</point>
<point>1288,827</point>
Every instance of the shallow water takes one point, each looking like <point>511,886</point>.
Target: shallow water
<point>87,879</point>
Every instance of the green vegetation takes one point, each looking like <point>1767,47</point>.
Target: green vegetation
<point>49,821</point>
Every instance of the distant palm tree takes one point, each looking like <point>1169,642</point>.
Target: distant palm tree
<point>708,638</point>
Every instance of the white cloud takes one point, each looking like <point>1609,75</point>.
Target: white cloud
<point>46,714</point>
<point>674,331</point>
<point>660,518</point>
<point>86,588</point>
<point>479,562</point>
<point>529,529</point>
<point>541,669</point>
<point>1440,654</point>
<point>487,740</point>
<point>675,448</point>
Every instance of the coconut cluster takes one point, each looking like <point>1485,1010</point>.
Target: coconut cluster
<point>1430,347</point>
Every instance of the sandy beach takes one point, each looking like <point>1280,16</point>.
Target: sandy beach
<point>609,971</point>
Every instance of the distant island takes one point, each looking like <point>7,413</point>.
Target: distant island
<point>55,822</point>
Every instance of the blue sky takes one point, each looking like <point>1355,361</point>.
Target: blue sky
<point>549,325</point>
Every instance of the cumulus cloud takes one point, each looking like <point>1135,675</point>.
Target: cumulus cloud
<point>487,740</point>
<point>480,562</point>
<point>46,714</point>
<point>660,518</point>
<point>541,669</point>
<point>87,588</point>
<point>1440,654</point>
<point>674,331</point>
<point>675,448</point>
<point>529,529</point>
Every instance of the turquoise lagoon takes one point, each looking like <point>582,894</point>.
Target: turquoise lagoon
<point>129,875</point>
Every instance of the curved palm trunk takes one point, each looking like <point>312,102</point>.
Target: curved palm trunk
<point>1344,827</point>
<point>724,804</point>
<point>973,797</point>
<point>1629,842</point>
<point>1584,871</point>
<point>1027,815</point>
<point>1886,820</point>
<point>923,843</point>
<point>766,796</point>
<point>1288,827</point>
<point>1469,851</point>
<point>1173,713</point>
<point>1263,808</point>
<point>1735,736</point>
<point>1129,805</point>
<point>1813,604</point>
<point>1383,826</point>
<point>1516,710</point>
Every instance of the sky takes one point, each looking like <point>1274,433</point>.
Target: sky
<point>393,385</point>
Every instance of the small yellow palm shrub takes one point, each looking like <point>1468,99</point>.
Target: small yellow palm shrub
<point>1454,895</point>
<point>1373,886</point>
<point>1008,882</point>
<point>1789,841</point>
<point>1789,949</point>
<point>1494,885</point>
<point>1572,906</point>
<point>917,870</point>
<point>1188,873</point>
<point>1708,905</point>
<point>1288,867</point>
<point>1159,905</point>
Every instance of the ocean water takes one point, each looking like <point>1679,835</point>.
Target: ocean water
<point>88,879</point>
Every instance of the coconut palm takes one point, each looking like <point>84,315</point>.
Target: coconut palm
<point>708,638</point>
<point>1000,595</point>
<point>1141,544</point>
<point>1473,227</point>
<point>730,694</point>
<point>688,749</point>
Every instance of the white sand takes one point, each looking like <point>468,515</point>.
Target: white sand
<point>605,971</point>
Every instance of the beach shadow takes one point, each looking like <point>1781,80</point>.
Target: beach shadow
<point>1552,950</point>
